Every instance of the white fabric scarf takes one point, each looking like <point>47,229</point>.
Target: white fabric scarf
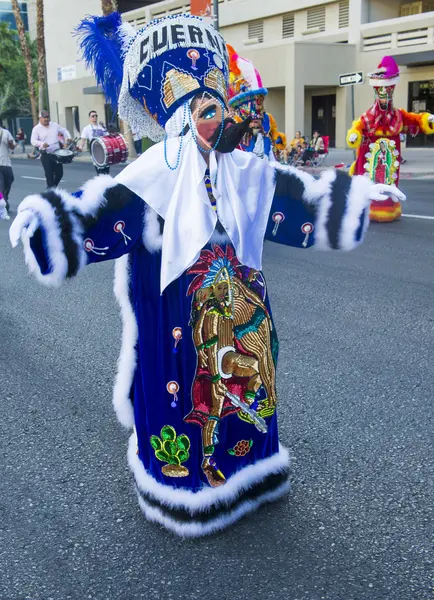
<point>243,186</point>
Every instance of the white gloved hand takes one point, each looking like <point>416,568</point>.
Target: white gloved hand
<point>431,119</point>
<point>26,220</point>
<point>381,191</point>
<point>353,137</point>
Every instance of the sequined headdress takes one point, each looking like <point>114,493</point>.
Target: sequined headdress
<point>169,61</point>
<point>149,74</point>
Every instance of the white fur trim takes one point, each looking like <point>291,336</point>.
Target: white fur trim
<point>152,238</point>
<point>325,203</point>
<point>54,245</point>
<point>383,82</point>
<point>207,497</point>
<point>198,529</point>
<point>127,360</point>
<point>92,197</point>
<point>357,201</point>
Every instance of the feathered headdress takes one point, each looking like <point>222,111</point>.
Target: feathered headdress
<point>149,74</point>
<point>103,45</point>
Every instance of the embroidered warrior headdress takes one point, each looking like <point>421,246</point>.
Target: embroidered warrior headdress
<point>164,64</point>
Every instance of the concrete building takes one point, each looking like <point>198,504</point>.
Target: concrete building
<point>299,46</point>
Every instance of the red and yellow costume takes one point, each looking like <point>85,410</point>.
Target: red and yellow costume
<point>376,136</point>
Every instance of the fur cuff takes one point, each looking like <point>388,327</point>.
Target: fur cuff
<point>343,211</point>
<point>56,253</point>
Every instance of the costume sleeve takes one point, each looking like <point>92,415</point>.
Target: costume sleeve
<point>331,212</point>
<point>102,221</point>
<point>357,128</point>
<point>414,122</point>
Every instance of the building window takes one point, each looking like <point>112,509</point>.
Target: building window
<point>7,15</point>
<point>288,25</point>
<point>316,18</point>
<point>416,8</point>
<point>344,14</point>
<point>256,31</point>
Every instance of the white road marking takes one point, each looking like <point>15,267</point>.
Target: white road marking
<point>28,177</point>
<point>418,217</point>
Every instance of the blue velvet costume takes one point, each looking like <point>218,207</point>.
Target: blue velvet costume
<point>197,369</point>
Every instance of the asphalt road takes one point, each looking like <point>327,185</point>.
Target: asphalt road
<point>355,384</point>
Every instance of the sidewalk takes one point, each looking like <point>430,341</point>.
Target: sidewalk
<point>420,161</point>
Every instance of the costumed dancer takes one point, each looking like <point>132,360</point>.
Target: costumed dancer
<point>376,136</point>
<point>246,97</point>
<point>186,224</point>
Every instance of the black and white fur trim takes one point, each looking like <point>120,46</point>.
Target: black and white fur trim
<point>62,218</point>
<point>339,202</point>
<point>194,514</point>
<point>63,237</point>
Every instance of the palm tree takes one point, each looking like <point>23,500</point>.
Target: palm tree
<point>27,58</point>
<point>40,38</point>
<point>108,6</point>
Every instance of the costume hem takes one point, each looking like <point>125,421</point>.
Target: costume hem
<point>197,513</point>
<point>193,528</point>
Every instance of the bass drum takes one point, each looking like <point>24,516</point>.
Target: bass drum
<point>109,150</point>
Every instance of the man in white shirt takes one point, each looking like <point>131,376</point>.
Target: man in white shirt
<point>89,133</point>
<point>6,174</point>
<point>45,136</point>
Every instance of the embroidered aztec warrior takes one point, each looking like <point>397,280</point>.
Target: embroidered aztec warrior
<point>376,135</point>
<point>186,224</point>
<point>232,333</point>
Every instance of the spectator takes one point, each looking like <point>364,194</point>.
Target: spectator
<point>21,139</point>
<point>7,144</point>
<point>317,143</point>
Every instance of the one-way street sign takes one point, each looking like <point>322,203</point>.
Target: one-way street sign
<point>351,79</point>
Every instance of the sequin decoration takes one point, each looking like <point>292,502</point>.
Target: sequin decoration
<point>241,448</point>
<point>119,227</point>
<point>173,388</point>
<point>177,85</point>
<point>89,246</point>
<point>307,229</point>
<point>216,81</point>
<point>177,335</point>
<point>171,449</point>
<point>278,218</point>
<point>194,56</point>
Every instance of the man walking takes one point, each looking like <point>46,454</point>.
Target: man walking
<point>45,136</point>
<point>6,174</point>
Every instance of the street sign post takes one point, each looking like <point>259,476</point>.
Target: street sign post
<point>351,79</point>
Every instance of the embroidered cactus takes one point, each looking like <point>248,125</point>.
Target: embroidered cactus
<point>241,448</point>
<point>173,450</point>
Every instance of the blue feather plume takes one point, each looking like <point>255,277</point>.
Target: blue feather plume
<point>101,49</point>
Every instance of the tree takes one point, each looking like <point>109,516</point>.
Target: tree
<point>108,6</point>
<point>25,49</point>
<point>14,95</point>
<point>40,38</point>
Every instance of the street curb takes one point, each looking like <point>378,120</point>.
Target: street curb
<point>402,175</point>
<point>312,170</point>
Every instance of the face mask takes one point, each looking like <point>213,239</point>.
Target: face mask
<point>384,95</point>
